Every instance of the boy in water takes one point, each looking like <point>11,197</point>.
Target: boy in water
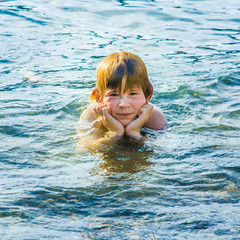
<point>122,98</point>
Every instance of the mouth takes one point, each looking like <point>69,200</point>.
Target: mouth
<point>124,115</point>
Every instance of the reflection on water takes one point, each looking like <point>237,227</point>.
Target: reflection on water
<point>124,155</point>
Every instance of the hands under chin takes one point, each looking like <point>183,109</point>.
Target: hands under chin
<point>134,127</point>
<point>103,112</point>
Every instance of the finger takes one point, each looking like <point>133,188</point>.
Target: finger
<point>106,113</point>
<point>106,110</point>
<point>141,111</point>
<point>151,108</point>
<point>96,111</point>
<point>98,108</point>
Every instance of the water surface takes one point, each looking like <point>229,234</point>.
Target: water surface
<point>180,183</point>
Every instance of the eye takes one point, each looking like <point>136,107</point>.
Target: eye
<point>133,93</point>
<point>113,94</point>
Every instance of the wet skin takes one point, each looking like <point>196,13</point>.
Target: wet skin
<point>124,112</point>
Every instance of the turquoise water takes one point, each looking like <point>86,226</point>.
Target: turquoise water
<point>180,183</point>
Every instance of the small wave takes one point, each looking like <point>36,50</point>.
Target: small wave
<point>6,61</point>
<point>11,13</point>
<point>230,80</point>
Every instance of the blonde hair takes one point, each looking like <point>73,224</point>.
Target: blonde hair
<point>118,66</point>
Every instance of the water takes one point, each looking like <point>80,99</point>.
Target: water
<point>181,183</point>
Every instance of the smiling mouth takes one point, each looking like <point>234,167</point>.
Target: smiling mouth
<point>124,114</point>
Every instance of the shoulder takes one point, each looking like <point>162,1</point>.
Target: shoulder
<point>157,120</point>
<point>88,113</point>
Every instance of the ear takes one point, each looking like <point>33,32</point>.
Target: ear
<point>148,99</point>
<point>97,95</point>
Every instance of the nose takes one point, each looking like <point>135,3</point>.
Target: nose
<point>124,102</point>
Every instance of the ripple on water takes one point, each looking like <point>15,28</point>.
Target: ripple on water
<point>13,13</point>
<point>230,80</point>
<point>180,183</point>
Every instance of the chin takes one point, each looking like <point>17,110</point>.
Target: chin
<point>125,122</point>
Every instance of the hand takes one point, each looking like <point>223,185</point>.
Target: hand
<point>134,127</point>
<point>103,113</point>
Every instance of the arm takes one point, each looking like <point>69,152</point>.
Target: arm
<point>91,129</point>
<point>134,127</point>
<point>100,116</point>
<point>103,113</point>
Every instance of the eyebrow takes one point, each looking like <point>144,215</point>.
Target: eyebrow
<point>112,90</point>
<point>136,89</point>
<point>117,90</point>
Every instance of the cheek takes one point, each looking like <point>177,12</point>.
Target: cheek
<point>110,103</point>
<point>139,103</point>
<point>107,101</point>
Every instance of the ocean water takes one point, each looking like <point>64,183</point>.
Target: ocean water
<point>180,183</point>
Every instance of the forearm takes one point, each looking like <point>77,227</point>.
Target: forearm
<point>133,129</point>
<point>137,135</point>
<point>117,133</point>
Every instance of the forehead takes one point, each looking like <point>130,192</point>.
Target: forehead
<point>125,86</point>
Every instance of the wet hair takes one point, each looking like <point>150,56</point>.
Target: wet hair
<point>120,66</point>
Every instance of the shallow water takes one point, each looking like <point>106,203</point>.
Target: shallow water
<point>180,183</point>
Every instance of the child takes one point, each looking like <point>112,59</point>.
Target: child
<point>120,100</point>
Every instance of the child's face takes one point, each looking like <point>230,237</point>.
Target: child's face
<point>125,106</point>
